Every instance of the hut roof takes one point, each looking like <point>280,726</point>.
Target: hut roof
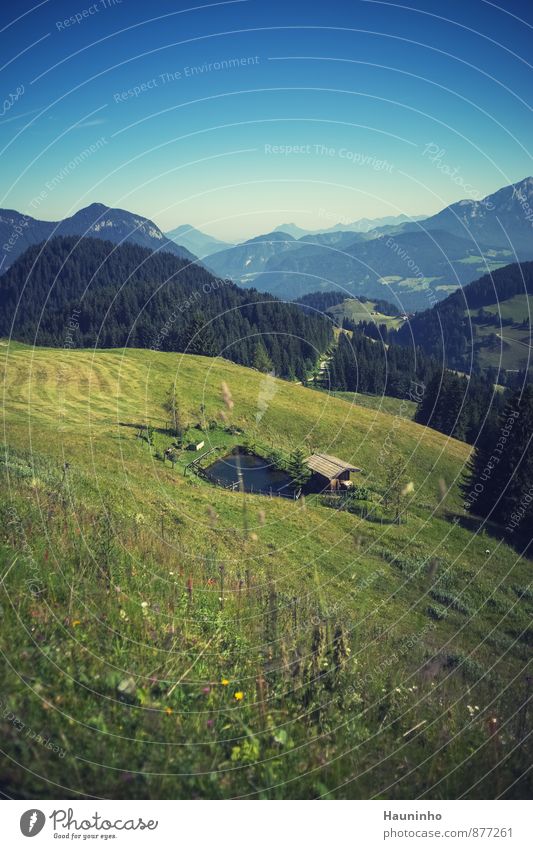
<point>328,466</point>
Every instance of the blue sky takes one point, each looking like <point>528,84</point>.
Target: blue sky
<point>236,117</point>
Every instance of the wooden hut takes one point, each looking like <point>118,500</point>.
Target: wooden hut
<point>329,473</point>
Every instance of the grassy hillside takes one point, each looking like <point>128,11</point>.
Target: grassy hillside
<point>490,319</point>
<point>384,403</point>
<point>356,311</point>
<point>507,347</point>
<point>167,638</point>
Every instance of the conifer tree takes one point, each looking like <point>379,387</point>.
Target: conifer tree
<point>297,468</point>
<point>262,361</point>
<point>500,475</point>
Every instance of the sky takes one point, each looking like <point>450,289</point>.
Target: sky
<point>235,117</point>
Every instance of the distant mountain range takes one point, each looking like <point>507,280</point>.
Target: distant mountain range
<point>503,219</point>
<point>362,225</point>
<point>18,232</point>
<point>410,263</point>
<point>196,241</point>
<point>244,262</point>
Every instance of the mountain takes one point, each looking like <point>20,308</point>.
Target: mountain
<point>243,262</point>
<point>18,231</point>
<point>410,263</point>
<point>486,324</point>
<point>199,243</point>
<point>293,230</point>
<point>361,225</point>
<point>503,219</point>
<point>365,225</point>
<point>90,293</point>
<point>415,259</point>
<point>411,270</point>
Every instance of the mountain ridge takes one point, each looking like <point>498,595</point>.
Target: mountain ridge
<point>18,231</point>
<point>408,263</point>
<point>199,243</point>
<point>129,296</point>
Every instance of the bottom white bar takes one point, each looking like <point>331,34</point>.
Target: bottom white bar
<point>268,825</point>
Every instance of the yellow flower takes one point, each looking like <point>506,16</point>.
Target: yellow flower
<point>224,682</point>
<point>239,695</point>
<point>75,623</point>
<point>169,711</point>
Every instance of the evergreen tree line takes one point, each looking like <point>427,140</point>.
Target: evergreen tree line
<point>458,406</point>
<point>360,364</point>
<point>89,292</point>
<point>499,482</point>
<point>448,402</point>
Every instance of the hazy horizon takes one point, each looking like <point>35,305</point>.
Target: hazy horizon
<point>235,117</point>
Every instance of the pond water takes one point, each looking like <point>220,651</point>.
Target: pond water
<point>258,475</point>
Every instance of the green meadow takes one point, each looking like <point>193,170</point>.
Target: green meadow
<point>166,638</point>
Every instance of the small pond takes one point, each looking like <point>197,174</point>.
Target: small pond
<point>258,475</point>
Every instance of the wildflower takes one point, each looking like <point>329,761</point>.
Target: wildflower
<point>169,711</point>
<point>224,682</point>
<point>76,623</point>
<point>144,604</point>
<point>206,690</point>
<point>238,696</point>
<point>210,723</point>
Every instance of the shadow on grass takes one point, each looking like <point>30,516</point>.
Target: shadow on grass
<point>359,510</point>
<point>141,427</point>
<point>520,541</point>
